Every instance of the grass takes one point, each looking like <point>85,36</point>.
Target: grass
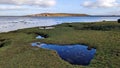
<point>16,50</point>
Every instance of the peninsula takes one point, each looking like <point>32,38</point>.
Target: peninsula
<point>57,14</point>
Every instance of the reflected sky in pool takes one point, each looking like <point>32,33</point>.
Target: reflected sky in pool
<point>74,54</point>
<point>39,37</point>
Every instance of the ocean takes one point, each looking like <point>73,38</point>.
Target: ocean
<point>12,23</point>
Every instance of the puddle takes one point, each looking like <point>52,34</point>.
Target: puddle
<point>74,54</point>
<point>39,37</point>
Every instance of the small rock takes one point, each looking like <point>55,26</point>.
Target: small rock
<point>89,48</point>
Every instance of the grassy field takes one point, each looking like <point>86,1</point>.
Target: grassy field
<point>16,50</point>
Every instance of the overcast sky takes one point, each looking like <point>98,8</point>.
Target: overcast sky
<point>92,7</point>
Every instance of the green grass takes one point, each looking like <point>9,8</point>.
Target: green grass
<point>16,50</point>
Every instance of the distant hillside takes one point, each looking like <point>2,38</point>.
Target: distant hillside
<point>57,14</point>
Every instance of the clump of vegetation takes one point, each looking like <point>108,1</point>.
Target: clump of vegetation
<point>102,27</point>
<point>98,26</point>
<point>4,42</point>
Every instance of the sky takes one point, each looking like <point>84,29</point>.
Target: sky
<point>27,7</point>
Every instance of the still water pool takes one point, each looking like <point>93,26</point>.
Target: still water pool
<point>39,37</point>
<point>74,54</point>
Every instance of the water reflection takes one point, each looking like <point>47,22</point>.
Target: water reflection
<point>39,37</point>
<point>74,54</point>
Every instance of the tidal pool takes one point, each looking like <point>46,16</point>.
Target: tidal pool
<point>74,54</point>
<point>39,37</point>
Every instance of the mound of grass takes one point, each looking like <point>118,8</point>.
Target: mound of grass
<point>95,26</point>
<point>104,36</point>
<point>4,42</point>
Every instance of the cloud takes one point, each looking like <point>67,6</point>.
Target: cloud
<point>113,13</point>
<point>11,7</point>
<point>18,4</point>
<point>101,4</point>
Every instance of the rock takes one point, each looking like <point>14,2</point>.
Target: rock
<point>89,48</point>
<point>38,43</point>
<point>118,20</point>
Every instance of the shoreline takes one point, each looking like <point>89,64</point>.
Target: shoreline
<point>49,26</point>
